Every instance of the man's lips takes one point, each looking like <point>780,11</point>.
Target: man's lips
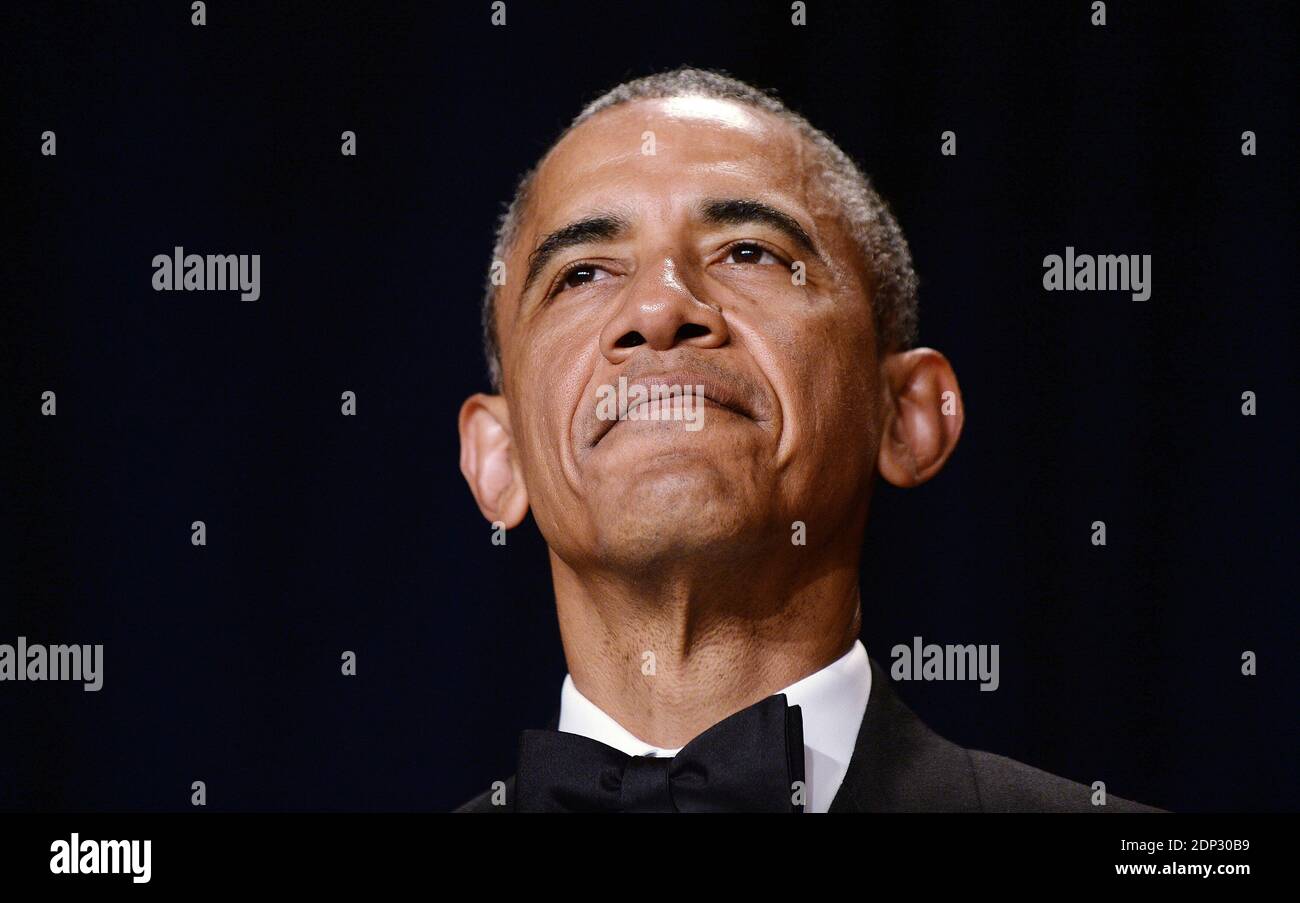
<point>717,392</point>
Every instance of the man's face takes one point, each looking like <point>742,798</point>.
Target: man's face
<point>678,266</point>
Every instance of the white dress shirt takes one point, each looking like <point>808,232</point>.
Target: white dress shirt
<point>833,701</point>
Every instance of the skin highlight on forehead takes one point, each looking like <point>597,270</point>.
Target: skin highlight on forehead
<point>723,137</point>
<point>723,112</point>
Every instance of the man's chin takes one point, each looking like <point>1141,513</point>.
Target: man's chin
<point>674,512</point>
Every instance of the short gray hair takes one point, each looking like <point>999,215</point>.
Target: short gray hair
<point>871,224</point>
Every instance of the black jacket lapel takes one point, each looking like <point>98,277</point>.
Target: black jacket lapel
<point>900,765</point>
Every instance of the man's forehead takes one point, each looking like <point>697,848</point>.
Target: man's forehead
<point>607,158</point>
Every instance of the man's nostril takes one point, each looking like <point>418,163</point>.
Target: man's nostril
<point>630,340</point>
<point>691,331</point>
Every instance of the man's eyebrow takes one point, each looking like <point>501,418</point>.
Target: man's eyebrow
<point>739,211</point>
<point>602,226</point>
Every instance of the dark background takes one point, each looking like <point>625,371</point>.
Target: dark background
<point>328,533</point>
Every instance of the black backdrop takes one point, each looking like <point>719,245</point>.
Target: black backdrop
<point>328,533</point>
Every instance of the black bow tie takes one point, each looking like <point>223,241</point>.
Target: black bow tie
<point>749,762</point>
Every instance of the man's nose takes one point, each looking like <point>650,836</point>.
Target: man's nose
<point>660,311</point>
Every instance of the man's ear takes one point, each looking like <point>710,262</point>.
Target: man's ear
<point>924,418</point>
<point>488,460</point>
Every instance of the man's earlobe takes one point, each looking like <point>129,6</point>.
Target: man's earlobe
<point>925,416</point>
<point>487,459</point>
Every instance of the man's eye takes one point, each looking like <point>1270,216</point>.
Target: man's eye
<point>580,275</point>
<point>748,252</point>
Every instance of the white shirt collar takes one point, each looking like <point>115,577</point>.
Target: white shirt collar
<point>833,701</point>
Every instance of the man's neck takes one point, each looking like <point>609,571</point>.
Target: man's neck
<point>669,657</point>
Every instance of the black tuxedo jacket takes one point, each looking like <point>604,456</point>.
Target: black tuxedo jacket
<point>900,765</point>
